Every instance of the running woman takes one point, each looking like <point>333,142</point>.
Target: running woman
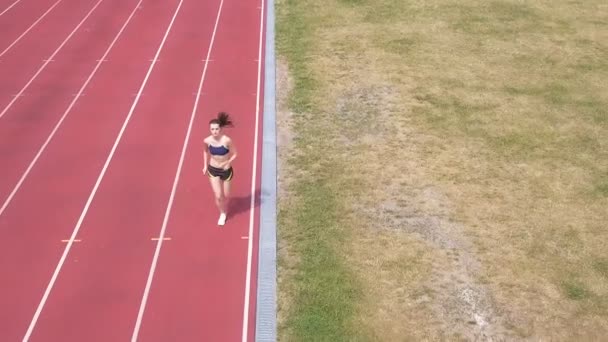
<point>219,167</point>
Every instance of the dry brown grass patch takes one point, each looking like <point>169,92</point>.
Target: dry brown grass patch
<point>473,141</point>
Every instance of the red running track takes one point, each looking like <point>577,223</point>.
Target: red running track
<point>80,258</point>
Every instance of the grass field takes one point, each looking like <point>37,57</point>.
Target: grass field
<point>443,170</point>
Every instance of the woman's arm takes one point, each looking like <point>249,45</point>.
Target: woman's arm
<point>233,154</point>
<point>205,159</point>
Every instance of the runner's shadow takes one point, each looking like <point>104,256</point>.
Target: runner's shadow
<point>242,204</point>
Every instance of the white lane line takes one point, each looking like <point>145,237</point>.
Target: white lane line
<point>253,182</point>
<point>9,7</point>
<point>28,30</point>
<point>65,114</point>
<point>50,58</point>
<point>101,175</point>
<point>163,228</point>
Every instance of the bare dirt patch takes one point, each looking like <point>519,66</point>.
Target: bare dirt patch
<point>287,260</point>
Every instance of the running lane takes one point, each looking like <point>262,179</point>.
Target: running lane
<point>47,206</point>
<point>19,18</point>
<point>31,120</point>
<point>7,5</point>
<point>21,63</point>
<point>98,291</point>
<point>198,291</point>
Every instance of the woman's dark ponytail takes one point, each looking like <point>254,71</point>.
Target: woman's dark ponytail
<point>223,119</point>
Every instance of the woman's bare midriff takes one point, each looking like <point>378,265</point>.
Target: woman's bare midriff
<point>218,161</point>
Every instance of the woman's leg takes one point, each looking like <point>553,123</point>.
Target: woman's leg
<point>226,198</point>
<point>216,185</point>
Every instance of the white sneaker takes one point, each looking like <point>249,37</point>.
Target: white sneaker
<point>221,220</point>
